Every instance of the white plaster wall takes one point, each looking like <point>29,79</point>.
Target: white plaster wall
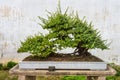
<point>18,19</point>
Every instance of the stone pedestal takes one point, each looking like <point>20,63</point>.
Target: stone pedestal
<point>27,74</point>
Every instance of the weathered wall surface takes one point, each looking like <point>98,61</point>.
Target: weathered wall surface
<point>18,19</point>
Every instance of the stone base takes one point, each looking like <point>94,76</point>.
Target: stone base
<point>91,74</point>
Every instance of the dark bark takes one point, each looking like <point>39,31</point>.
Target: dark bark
<point>82,51</point>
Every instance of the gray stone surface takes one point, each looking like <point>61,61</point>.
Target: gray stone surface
<point>16,71</point>
<point>91,74</point>
<point>63,65</point>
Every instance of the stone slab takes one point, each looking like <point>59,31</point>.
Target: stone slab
<point>108,72</point>
<point>62,65</point>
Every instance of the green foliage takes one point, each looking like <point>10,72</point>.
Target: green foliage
<point>65,30</point>
<point>69,30</point>
<point>1,66</point>
<point>4,75</point>
<point>111,78</point>
<point>59,26</point>
<point>37,45</point>
<point>10,64</point>
<point>89,37</point>
<point>74,78</point>
<point>7,66</point>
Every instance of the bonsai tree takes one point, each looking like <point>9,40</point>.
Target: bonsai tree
<point>65,30</point>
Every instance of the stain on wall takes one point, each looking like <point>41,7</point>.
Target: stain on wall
<point>5,11</point>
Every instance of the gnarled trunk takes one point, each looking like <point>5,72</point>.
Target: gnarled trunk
<point>82,51</point>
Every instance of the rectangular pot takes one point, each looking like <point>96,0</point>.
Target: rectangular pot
<point>62,65</point>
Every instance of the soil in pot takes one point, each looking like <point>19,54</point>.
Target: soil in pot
<point>64,57</point>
